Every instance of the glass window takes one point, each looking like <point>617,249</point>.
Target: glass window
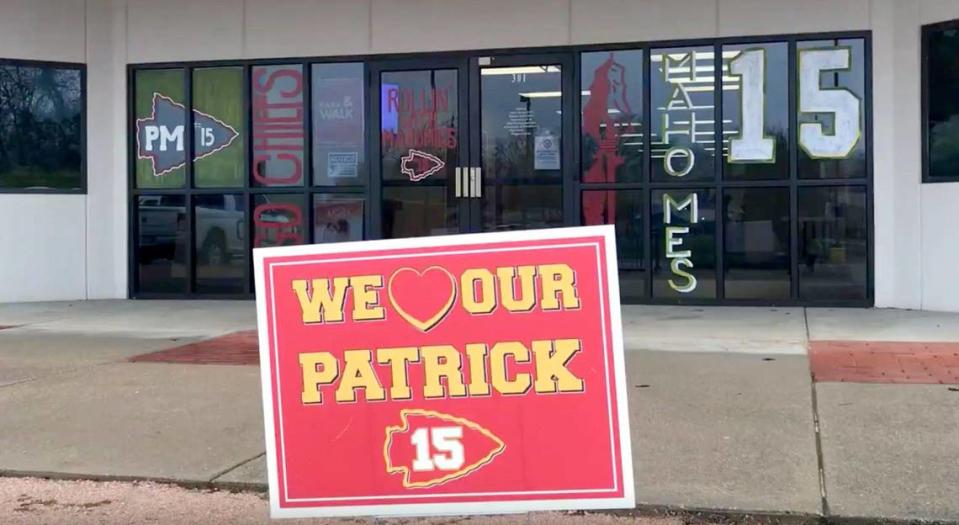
<point>339,124</point>
<point>942,104</point>
<point>832,113</point>
<point>160,128</point>
<point>41,127</point>
<point>683,101</point>
<point>756,111</point>
<point>684,243</point>
<point>417,211</point>
<point>218,127</point>
<point>218,236</point>
<point>624,208</point>
<point>833,249</point>
<point>278,125</point>
<point>337,218</point>
<point>418,123</point>
<point>612,116</point>
<point>522,207</point>
<point>756,242</point>
<point>161,248</point>
<point>279,220</point>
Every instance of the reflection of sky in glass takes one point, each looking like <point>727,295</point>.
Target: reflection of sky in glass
<point>389,118</point>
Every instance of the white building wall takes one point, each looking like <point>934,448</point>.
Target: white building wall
<point>915,240</point>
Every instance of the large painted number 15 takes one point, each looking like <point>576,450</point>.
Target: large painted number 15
<point>752,145</point>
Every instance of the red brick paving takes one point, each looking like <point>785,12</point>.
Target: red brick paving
<point>884,362</point>
<point>238,348</point>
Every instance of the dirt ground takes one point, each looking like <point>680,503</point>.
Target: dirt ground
<point>31,501</point>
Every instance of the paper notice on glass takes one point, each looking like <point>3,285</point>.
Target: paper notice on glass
<point>341,164</point>
<point>546,152</point>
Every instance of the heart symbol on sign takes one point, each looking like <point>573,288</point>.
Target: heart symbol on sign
<point>426,296</point>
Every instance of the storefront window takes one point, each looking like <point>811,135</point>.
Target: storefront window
<point>218,235</point>
<point>41,127</point>
<point>160,129</point>
<point>624,208</point>
<point>941,83</point>
<point>339,124</point>
<point>684,243</point>
<point>337,218</point>
<point>734,171</point>
<point>833,253</point>
<point>831,112</point>
<point>279,220</point>
<point>161,243</point>
<point>279,133</point>
<point>612,116</point>
<point>755,111</point>
<point>218,127</point>
<point>756,239</point>
<point>683,102</point>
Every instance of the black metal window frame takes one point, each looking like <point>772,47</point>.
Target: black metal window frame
<point>82,68</point>
<point>927,31</point>
<point>572,178</point>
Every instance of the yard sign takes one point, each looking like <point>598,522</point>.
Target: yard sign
<point>444,375</point>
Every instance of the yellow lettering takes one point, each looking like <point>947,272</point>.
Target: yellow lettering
<point>358,373</point>
<point>479,386</point>
<point>551,360</point>
<point>558,279</point>
<point>498,370</point>
<point>366,298</point>
<point>398,359</point>
<point>319,368</point>
<point>439,362</point>
<point>487,302</point>
<point>527,287</point>
<point>317,303</point>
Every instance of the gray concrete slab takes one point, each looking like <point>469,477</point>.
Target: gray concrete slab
<point>27,354</point>
<point>715,329</point>
<point>881,324</point>
<point>145,319</point>
<point>890,450</point>
<point>723,431</point>
<point>184,422</point>
<point>252,474</point>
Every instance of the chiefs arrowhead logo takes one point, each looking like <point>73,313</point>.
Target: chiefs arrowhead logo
<point>417,165</point>
<point>431,448</point>
<point>160,136</point>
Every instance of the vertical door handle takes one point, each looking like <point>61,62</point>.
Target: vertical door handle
<point>475,183</point>
<point>459,182</point>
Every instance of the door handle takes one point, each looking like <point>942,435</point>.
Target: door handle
<point>458,183</point>
<point>476,182</point>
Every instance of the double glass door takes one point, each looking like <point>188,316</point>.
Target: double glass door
<point>472,144</point>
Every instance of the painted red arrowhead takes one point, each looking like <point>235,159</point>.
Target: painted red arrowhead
<point>417,165</point>
<point>401,449</point>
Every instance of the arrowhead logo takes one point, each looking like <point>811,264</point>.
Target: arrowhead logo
<point>417,165</point>
<point>160,136</point>
<point>407,444</point>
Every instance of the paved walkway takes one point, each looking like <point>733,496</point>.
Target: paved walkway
<point>747,409</point>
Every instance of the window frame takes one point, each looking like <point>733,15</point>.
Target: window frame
<point>82,68</point>
<point>573,185</point>
<point>927,31</point>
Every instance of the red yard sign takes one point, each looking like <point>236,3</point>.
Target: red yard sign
<point>444,375</point>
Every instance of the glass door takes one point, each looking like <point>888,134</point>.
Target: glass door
<point>521,141</point>
<point>421,107</point>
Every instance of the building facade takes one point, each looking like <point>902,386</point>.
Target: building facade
<point>749,152</point>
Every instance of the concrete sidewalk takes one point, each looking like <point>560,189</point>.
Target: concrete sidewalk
<point>725,411</point>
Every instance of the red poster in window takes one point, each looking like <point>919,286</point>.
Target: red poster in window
<point>455,375</point>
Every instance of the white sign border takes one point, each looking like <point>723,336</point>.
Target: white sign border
<point>628,500</point>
